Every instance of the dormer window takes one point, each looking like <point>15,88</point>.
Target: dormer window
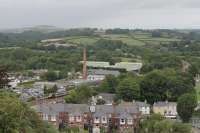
<point>122,121</point>
<point>96,120</point>
<point>78,118</point>
<point>130,121</point>
<point>71,118</point>
<point>104,120</point>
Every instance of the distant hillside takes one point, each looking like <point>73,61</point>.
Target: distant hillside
<point>40,28</point>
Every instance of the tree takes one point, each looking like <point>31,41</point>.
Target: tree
<point>185,106</point>
<point>72,97</point>
<point>50,76</point>
<point>51,90</point>
<point>157,124</point>
<point>100,102</point>
<point>17,117</point>
<point>166,84</point>
<point>153,87</point>
<point>109,84</point>
<point>3,78</point>
<point>156,34</point>
<point>80,95</point>
<point>128,90</point>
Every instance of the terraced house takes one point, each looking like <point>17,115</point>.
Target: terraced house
<point>96,118</point>
<point>167,109</point>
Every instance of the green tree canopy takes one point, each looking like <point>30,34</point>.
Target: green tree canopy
<point>80,95</point>
<point>166,84</point>
<point>50,76</point>
<point>153,87</point>
<point>186,105</point>
<point>3,78</point>
<point>17,117</point>
<point>109,84</point>
<point>128,89</point>
<point>157,124</point>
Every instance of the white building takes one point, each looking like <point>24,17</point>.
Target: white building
<point>143,107</point>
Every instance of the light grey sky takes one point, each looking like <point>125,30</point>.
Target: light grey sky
<point>101,13</point>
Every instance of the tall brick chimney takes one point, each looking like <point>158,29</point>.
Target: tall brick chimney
<point>84,64</point>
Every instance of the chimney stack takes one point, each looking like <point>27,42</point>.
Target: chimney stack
<point>84,64</point>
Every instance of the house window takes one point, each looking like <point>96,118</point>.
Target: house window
<point>104,119</point>
<point>53,118</point>
<point>122,121</point>
<point>143,108</point>
<point>130,121</point>
<point>45,117</point>
<point>71,118</point>
<point>78,118</point>
<point>96,120</point>
<point>165,112</point>
<point>170,112</point>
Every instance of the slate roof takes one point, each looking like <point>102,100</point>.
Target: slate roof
<point>126,111</point>
<point>77,109</point>
<point>109,98</point>
<point>161,104</point>
<point>103,110</point>
<point>49,108</point>
<point>142,104</point>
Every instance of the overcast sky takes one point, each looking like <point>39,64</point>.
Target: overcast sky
<point>101,13</point>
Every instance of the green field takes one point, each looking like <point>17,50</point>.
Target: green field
<point>82,40</point>
<point>27,84</point>
<point>135,39</point>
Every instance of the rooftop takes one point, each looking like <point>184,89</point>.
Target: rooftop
<point>74,109</point>
<point>103,72</point>
<point>165,103</point>
<point>128,66</point>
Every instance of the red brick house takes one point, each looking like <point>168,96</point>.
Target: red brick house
<point>104,117</point>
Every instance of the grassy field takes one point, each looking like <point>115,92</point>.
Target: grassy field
<point>135,39</point>
<point>82,40</point>
<point>27,84</point>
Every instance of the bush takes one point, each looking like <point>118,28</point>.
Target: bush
<point>181,128</point>
<point>157,124</point>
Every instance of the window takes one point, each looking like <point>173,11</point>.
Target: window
<point>165,112</point>
<point>78,118</point>
<point>71,118</point>
<point>45,117</point>
<point>130,121</point>
<point>170,112</point>
<point>143,108</point>
<point>122,121</point>
<point>104,119</point>
<point>53,118</point>
<point>96,120</point>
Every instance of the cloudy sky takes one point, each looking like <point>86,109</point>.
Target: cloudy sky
<point>101,13</point>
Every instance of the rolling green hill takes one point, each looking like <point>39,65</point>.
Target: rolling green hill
<point>136,39</point>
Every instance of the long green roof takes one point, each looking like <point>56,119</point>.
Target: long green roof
<point>128,66</point>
